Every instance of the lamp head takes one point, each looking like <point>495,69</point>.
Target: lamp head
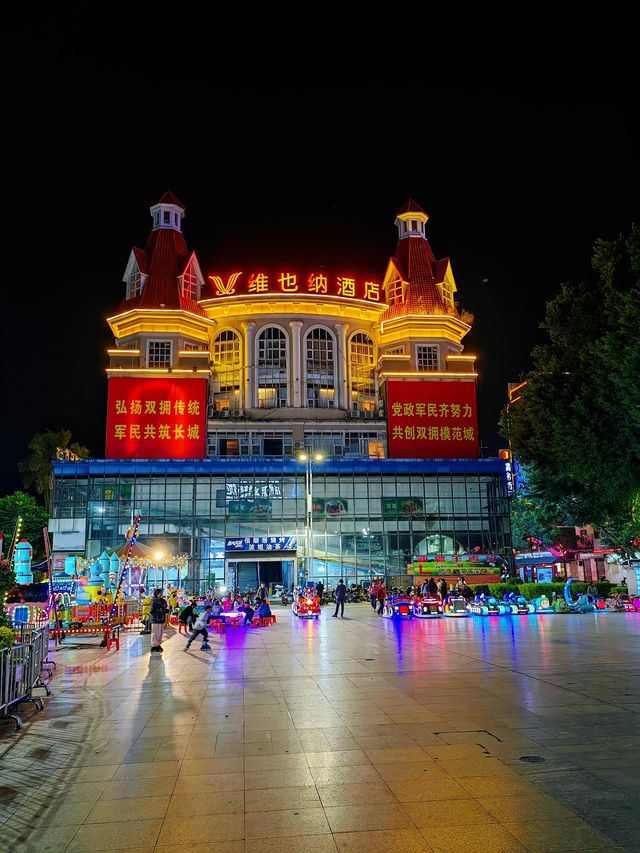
<point>302,457</point>
<point>318,457</point>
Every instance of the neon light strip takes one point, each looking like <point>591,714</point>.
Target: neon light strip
<point>199,352</point>
<point>442,317</point>
<point>392,356</point>
<point>461,357</point>
<point>424,374</point>
<point>161,312</point>
<point>123,351</point>
<point>213,300</point>
<point>161,370</point>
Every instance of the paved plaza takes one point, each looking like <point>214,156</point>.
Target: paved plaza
<point>354,734</point>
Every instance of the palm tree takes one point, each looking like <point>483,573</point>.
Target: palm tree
<point>36,467</point>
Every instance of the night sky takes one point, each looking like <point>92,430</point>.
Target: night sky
<point>517,191</point>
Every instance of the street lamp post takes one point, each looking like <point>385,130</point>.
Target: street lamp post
<point>308,457</point>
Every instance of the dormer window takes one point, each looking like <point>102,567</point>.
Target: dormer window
<point>447,293</point>
<point>135,284</point>
<point>191,282</point>
<point>166,217</point>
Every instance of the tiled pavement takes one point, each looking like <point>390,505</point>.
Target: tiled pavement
<point>352,734</point>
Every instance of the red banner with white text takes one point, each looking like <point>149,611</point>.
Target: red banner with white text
<point>432,420</point>
<point>156,418</point>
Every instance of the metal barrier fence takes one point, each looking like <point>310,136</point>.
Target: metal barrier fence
<point>20,668</point>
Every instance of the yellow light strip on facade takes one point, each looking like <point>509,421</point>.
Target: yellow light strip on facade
<point>425,374</point>
<point>194,352</point>
<point>423,317</point>
<point>515,400</point>
<point>391,355</point>
<point>461,357</point>
<point>295,295</point>
<point>518,387</point>
<point>154,370</point>
<point>123,351</point>
<point>160,312</point>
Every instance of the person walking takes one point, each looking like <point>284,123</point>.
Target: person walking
<point>373,593</point>
<point>158,615</point>
<point>200,627</point>
<point>382,594</point>
<point>320,590</point>
<point>341,595</point>
<point>262,593</point>
<point>432,587</point>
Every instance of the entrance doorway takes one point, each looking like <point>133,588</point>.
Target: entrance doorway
<point>270,573</point>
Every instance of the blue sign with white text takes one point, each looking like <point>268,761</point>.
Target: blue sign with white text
<point>261,543</point>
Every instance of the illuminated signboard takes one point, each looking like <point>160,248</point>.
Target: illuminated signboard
<point>432,420</point>
<point>261,543</point>
<point>289,281</point>
<point>445,564</point>
<point>156,418</point>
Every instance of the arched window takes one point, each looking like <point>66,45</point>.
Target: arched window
<point>227,374</point>
<point>363,385</point>
<point>321,368</point>
<point>272,368</point>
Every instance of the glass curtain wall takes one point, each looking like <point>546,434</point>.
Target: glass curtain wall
<point>363,524</point>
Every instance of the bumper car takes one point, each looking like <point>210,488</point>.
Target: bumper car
<point>629,605</point>
<point>397,607</point>
<point>427,607</point>
<point>518,604</point>
<point>542,604</point>
<point>487,605</point>
<point>306,606</point>
<point>455,605</point>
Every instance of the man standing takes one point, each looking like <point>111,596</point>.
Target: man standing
<point>319,590</point>
<point>373,593</point>
<point>382,594</point>
<point>341,594</point>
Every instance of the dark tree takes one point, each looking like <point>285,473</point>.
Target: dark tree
<point>577,424</point>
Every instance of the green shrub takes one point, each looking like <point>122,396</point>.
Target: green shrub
<point>619,590</point>
<point>6,638</point>
<point>499,589</point>
<point>480,588</point>
<point>534,590</point>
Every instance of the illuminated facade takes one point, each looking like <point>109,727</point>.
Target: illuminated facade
<point>288,359</point>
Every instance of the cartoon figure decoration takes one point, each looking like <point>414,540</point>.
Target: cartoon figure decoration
<point>23,555</point>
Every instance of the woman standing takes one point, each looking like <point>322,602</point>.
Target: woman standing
<point>158,615</point>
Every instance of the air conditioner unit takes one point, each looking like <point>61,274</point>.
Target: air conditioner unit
<point>356,413</point>
<point>369,415</point>
<point>225,413</point>
<point>237,413</point>
<point>211,412</point>
<point>299,445</point>
<point>380,413</point>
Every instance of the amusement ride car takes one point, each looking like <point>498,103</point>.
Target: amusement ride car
<point>397,607</point>
<point>306,605</point>
<point>427,607</point>
<point>455,605</point>
<point>487,605</point>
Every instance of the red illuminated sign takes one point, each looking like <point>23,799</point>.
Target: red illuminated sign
<point>156,418</point>
<point>313,283</point>
<point>432,420</point>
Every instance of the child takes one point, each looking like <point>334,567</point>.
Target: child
<point>200,627</point>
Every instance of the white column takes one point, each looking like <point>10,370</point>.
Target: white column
<point>296,363</point>
<point>342,396</point>
<point>249,327</point>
